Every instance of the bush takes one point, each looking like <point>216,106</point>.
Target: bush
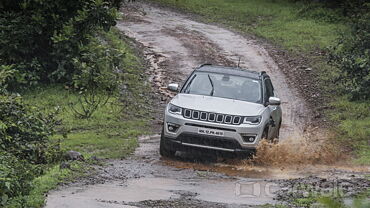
<point>97,79</point>
<point>25,134</point>
<point>314,10</point>
<point>15,177</point>
<point>40,38</point>
<point>352,55</point>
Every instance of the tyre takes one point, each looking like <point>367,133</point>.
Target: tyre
<point>164,151</point>
<point>265,132</point>
<point>278,133</point>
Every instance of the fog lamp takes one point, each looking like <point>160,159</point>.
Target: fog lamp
<point>249,138</point>
<point>172,127</point>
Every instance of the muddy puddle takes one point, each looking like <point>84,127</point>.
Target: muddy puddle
<point>145,177</point>
<point>147,180</point>
<point>134,191</point>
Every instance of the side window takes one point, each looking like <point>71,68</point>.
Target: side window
<point>269,89</point>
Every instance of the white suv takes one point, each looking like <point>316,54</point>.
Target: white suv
<point>223,109</point>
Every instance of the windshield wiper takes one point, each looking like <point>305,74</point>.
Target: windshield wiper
<point>186,90</point>
<point>213,87</point>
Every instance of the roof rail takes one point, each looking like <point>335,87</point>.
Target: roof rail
<point>205,64</point>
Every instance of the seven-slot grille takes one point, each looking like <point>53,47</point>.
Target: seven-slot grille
<point>212,117</point>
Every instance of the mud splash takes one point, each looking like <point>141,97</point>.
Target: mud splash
<point>294,157</point>
<point>310,149</point>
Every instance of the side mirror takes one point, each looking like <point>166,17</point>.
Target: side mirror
<point>274,101</point>
<point>173,87</point>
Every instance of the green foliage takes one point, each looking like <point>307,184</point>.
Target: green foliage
<point>25,134</point>
<point>317,12</point>
<point>97,79</point>
<point>111,132</point>
<point>134,90</point>
<point>15,177</point>
<point>6,74</point>
<point>48,181</point>
<point>303,202</point>
<point>41,38</point>
<point>352,55</point>
<point>329,202</point>
<point>353,125</point>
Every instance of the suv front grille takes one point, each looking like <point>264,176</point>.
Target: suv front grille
<point>212,117</point>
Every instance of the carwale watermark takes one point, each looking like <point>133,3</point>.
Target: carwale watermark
<point>261,188</point>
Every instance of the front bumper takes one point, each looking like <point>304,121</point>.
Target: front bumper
<point>232,140</point>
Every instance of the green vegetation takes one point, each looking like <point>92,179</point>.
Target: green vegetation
<point>48,181</point>
<point>352,55</point>
<point>330,202</point>
<point>110,132</point>
<point>339,28</point>
<point>40,39</point>
<point>68,81</point>
<point>310,196</point>
<point>69,65</point>
<point>106,134</point>
<point>15,177</point>
<point>354,126</point>
<point>292,25</point>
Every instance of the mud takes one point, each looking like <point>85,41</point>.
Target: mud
<point>312,148</point>
<point>146,180</point>
<point>173,45</point>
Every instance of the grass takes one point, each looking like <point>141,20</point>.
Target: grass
<point>353,119</point>
<point>50,180</point>
<point>110,133</point>
<point>298,27</point>
<point>301,28</point>
<point>107,134</point>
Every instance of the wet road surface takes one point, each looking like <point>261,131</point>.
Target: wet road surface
<point>145,180</point>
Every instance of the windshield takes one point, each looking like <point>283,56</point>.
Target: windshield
<point>225,86</point>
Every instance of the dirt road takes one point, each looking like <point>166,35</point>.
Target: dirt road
<point>174,44</point>
<point>181,44</point>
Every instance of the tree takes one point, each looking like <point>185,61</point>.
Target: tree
<point>42,37</point>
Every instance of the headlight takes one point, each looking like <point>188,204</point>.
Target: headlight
<point>252,119</point>
<point>174,109</point>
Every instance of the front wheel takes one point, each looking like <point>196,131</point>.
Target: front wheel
<point>164,151</point>
<point>265,133</point>
<point>277,137</point>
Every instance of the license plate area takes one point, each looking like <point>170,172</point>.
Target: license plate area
<point>210,132</point>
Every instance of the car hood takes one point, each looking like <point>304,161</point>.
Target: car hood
<point>217,105</point>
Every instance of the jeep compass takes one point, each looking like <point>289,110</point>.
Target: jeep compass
<point>223,109</point>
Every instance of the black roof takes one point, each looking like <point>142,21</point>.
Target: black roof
<point>229,70</point>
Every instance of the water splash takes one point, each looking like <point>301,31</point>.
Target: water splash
<point>311,149</point>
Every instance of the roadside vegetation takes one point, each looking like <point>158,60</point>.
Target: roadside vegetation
<point>333,35</point>
<point>68,82</point>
